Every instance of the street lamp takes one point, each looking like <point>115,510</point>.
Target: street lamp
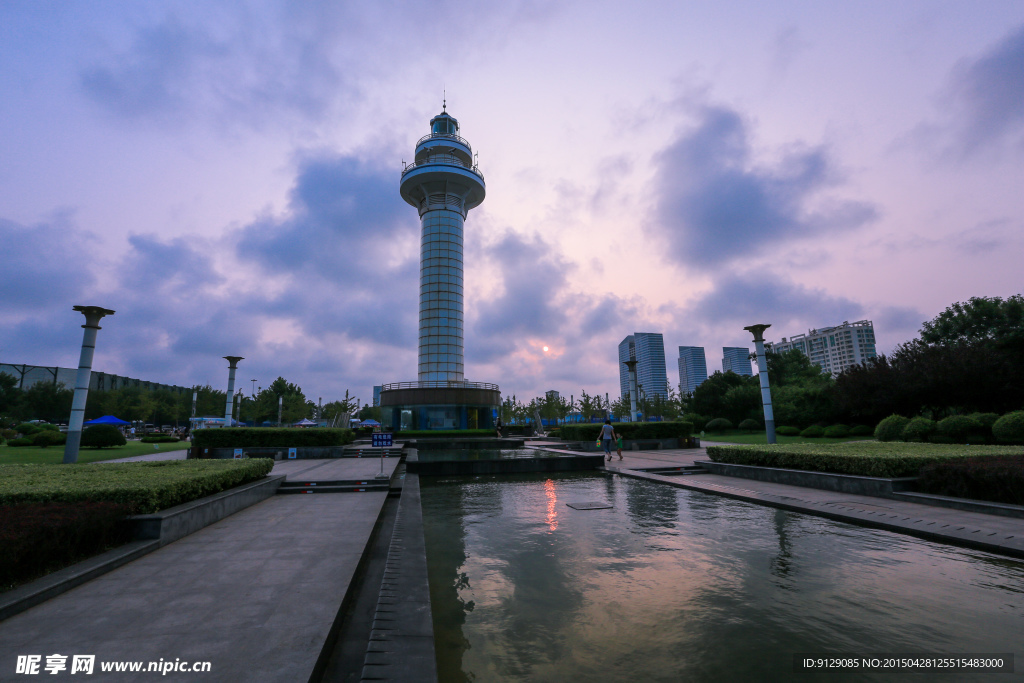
<point>232,366</point>
<point>762,371</point>
<point>631,366</point>
<point>92,314</point>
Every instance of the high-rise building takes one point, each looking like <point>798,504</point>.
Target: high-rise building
<point>737,359</point>
<point>834,349</point>
<point>693,368</point>
<point>376,394</point>
<point>648,348</point>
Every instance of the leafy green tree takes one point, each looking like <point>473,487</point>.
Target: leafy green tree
<point>980,319</point>
<point>620,408</point>
<point>47,401</point>
<point>713,398</point>
<point>589,405</point>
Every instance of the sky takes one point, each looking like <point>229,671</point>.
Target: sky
<point>225,176</point>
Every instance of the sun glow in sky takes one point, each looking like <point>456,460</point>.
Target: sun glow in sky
<point>225,176</point>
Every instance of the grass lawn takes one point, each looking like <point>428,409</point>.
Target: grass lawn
<point>759,437</point>
<point>55,454</point>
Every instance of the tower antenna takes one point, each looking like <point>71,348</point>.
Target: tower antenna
<point>444,100</point>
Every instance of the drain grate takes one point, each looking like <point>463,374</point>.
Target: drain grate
<point>589,506</point>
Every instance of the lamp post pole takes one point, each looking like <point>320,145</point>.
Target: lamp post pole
<point>762,371</point>
<point>93,314</point>
<point>232,366</point>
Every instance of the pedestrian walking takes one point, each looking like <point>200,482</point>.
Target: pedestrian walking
<point>498,425</point>
<point>607,437</point>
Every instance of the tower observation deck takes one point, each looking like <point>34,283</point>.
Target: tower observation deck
<point>443,183</point>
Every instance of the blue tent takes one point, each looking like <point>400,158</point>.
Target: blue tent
<point>106,420</point>
<point>369,423</point>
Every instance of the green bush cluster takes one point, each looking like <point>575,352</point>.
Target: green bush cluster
<point>249,437</point>
<point>977,428</point>
<point>719,424</point>
<point>750,425</point>
<point>1000,480</point>
<point>787,431</point>
<point>159,438</point>
<point>443,433</point>
<point>873,459</point>
<point>861,430</point>
<point>629,430</point>
<point>46,438</point>
<point>1009,428</point>
<point>837,432</point>
<point>891,428</point>
<point>23,441</point>
<point>142,487</point>
<point>102,436</point>
<point>813,432</point>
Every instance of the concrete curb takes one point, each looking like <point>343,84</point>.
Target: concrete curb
<point>156,530</point>
<point>401,646</point>
<point>173,523</point>
<point>826,481</point>
<point>963,535</point>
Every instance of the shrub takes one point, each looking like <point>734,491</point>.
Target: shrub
<point>787,431</point>
<point>813,432</point>
<point>23,441</point>
<point>837,432</point>
<point>36,538</point>
<point>750,425</point>
<point>1000,480</point>
<point>719,424</point>
<point>8,434</point>
<point>27,429</point>
<point>862,430</point>
<point>695,419</point>
<point>248,437</point>
<point>441,433</point>
<point>45,426</point>
<point>871,459</point>
<point>1010,428</point>
<point>918,429</point>
<point>986,419</point>
<point>959,428</point>
<point>891,428</point>
<point>159,438</point>
<point>102,436</point>
<point>45,438</point>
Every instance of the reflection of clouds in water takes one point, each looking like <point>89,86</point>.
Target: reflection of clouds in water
<point>676,584</point>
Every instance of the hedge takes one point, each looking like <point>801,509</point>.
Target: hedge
<point>249,437</point>
<point>141,487</point>
<point>862,430</point>
<point>159,438</point>
<point>102,436</point>
<point>960,428</point>
<point>719,424</point>
<point>891,428</point>
<point>787,431</point>
<point>46,438</point>
<point>750,425</point>
<point>870,459</point>
<point>36,538</point>
<point>443,433</point>
<point>1000,480</point>
<point>837,432</point>
<point>813,432</point>
<point>919,429</point>
<point>628,430</point>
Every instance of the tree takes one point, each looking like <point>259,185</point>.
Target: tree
<point>713,398</point>
<point>47,401</point>
<point>980,319</point>
<point>589,405</point>
<point>620,408</point>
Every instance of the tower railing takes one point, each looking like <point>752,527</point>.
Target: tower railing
<point>442,159</point>
<point>439,384</point>
<point>444,136</point>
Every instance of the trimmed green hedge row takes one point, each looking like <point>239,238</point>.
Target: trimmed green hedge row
<point>976,428</point>
<point>442,433</point>
<point>251,437</point>
<point>869,459</point>
<point>142,487</point>
<point>628,430</point>
<point>160,438</point>
<point>1000,480</point>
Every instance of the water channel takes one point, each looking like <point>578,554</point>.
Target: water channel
<point>670,584</point>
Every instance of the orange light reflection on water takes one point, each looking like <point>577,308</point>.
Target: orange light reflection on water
<point>552,518</point>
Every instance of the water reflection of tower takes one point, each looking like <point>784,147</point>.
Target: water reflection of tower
<point>443,182</point>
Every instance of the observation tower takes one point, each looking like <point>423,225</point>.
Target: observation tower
<point>443,182</point>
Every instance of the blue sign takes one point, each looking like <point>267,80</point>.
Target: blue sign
<point>382,440</point>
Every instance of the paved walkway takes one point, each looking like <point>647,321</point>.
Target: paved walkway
<point>160,455</point>
<point>254,594</point>
<point>994,533</point>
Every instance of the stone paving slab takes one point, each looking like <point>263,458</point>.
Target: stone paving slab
<point>994,533</point>
<point>334,469</point>
<point>255,594</point>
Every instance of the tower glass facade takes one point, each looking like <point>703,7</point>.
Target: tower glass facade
<point>441,298</point>
<point>737,359</point>
<point>693,368</point>
<point>648,348</point>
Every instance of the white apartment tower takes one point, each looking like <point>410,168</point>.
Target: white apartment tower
<point>834,349</point>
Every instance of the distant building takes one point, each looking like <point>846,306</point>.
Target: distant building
<point>834,349</point>
<point>693,368</point>
<point>648,348</point>
<point>737,359</point>
<point>27,375</point>
<point>376,394</point>
<point>551,394</point>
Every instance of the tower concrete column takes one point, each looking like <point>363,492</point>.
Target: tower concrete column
<point>92,314</point>
<point>443,182</point>
<point>762,370</point>
<point>232,366</point>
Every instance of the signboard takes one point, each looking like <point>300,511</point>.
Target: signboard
<point>291,454</point>
<point>381,440</point>
<point>238,453</point>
